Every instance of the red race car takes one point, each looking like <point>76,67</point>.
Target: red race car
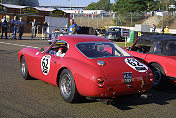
<point>159,51</point>
<point>83,65</point>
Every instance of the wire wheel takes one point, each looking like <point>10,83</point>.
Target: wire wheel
<point>66,85</point>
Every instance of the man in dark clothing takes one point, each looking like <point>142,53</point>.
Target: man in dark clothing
<point>14,27</point>
<point>4,27</point>
<point>21,27</point>
<point>44,30</point>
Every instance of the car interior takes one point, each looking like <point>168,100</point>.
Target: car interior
<point>58,46</point>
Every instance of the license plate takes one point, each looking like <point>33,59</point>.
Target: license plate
<point>127,77</point>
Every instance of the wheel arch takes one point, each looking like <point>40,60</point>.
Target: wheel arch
<point>59,73</point>
<point>21,57</point>
<point>157,65</point>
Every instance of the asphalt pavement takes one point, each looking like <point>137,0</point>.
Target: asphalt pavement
<point>21,98</point>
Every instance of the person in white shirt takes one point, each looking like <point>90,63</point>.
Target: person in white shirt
<point>60,52</point>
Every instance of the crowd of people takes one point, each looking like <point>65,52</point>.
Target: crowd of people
<point>18,27</point>
<point>165,29</point>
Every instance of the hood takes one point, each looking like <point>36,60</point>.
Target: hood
<point>115,67</point>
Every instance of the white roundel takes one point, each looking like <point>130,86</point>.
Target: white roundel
<point>45,64</point>
<point>136,65</point>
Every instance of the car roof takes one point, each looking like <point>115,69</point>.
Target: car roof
<point>74,39</point>
<point>157,38</point>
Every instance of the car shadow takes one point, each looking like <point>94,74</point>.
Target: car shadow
<point>160,97</point>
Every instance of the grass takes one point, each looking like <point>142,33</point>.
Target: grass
<point>122,44</point>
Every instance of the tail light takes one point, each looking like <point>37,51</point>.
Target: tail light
<point>100,82</point>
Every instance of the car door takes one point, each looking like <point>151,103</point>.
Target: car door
<point>45,64</point>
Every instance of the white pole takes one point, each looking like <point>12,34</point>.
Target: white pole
<point>70,4</point>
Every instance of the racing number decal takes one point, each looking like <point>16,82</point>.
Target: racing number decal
<point>135,64</point>
<point>45,64</point>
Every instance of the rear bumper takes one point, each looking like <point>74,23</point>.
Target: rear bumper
<point>119,90</point>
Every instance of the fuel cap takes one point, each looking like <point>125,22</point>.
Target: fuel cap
<point>102,63</point>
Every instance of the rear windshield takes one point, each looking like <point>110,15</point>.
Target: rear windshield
<point>101,49</point>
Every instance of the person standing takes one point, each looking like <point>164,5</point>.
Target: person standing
<point>153,28</point>
<point>14,27</point>
<point>44,30</point>
<point>21,28</point>
<point>4,26</point>
<point>73,27</point>
<point>166,30</point>
<point>34,28</point>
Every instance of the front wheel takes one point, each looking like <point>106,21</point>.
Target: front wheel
<point>67,86</point>
<point>158,76</point>
<point>24,69</point>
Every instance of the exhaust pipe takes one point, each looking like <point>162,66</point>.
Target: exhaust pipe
<point>146,96</point>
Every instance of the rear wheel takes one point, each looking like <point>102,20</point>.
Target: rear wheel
<point>158,76</point>
<point>24,69</point>
<point>67,86</point>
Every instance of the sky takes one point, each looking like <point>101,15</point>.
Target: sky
<point>67,3</point>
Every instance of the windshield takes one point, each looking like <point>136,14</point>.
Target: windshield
<point>142,46</point>
<point>101,49</point>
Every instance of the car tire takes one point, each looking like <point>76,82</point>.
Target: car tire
<point>67,87</point>
<point>24,69</point>
<point>158,76</point>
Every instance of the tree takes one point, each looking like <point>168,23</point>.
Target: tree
<point>31,3</point>
<point>100,5</point>
<point>135,6</point>
<point>164,4</point>
<point>91,6</point>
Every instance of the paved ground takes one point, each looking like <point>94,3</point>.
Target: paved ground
<point>21,98</point>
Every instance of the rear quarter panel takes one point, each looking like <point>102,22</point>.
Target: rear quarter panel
<point>85,75</point>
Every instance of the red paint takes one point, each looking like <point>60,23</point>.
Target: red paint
<point>86,71</point>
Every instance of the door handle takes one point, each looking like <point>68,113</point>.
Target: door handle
<point>54,61</point>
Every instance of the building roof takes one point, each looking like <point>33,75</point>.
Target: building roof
<point>20,7</point>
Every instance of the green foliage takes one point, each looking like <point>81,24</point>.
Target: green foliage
<point>91,6</point>
<point>164,4</point>
<point>101,5</point>
<point>31,3</point>
<point>133,6</point>
<point>136,6</point>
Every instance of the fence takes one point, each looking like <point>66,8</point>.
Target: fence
<point>129,19</point>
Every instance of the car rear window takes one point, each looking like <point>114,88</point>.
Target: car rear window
<point>101,50</point>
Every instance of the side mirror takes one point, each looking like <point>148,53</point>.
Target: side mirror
<point>42,50</point>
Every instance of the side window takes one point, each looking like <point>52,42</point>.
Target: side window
<point>156,49</point>
<point>59,49</point>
